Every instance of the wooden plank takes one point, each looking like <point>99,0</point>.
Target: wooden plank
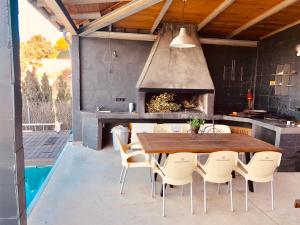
<point>81,16</point>
<point>218,41</point>
<point>58,9</point>
<point>280,29</point>
<point>223,6</point>
<point>161,15</point>
<point>85,2</point>
<point>271,11</point>
<point>123,36</point>
<point>118,14</point>
<point>153,143</point>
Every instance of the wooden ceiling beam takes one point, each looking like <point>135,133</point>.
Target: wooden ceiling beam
<point>62,15</point>
<point>84,2</point>
<point>162,12</point>
<point>223,6</point>
<point>275,9</point>
<point>229,42</point>
<point>123,36</point>
<point>81,16</point>
<point>118,14</point>
<point>280,29</point>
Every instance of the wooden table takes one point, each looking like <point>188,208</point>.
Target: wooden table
<point>157,143</point>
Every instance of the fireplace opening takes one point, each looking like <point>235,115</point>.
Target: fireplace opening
<point>175,102</point>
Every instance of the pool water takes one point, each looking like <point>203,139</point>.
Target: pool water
<point>34,179</point>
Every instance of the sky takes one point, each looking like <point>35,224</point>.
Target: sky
<point>31,22</point>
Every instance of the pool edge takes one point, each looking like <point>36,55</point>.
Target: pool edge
<point>43,186</point>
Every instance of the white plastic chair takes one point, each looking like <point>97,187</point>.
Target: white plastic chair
<point>162,128</point>
<point>136,159</point>
<point>177,170</point>
<point>139,128</point>
<point>217,169</point>
<point>261,169</point>
<point>215,128</point>
<point>186,128</point>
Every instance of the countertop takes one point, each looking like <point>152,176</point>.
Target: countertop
<point>276,125</point>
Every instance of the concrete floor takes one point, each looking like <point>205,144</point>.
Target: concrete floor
<point>84,190</point>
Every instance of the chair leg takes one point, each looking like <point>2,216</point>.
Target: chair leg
<point>192,208</point>
<point>153,186</point>
<point>204,197</point>
<point>231,198</point>
<point>272,194</point>
<point>123,181</point>
<point>218,188</point>
<point>246,190</point>
<point>182,190</point>
<point>150,170</point>
<point>121,176</point>
<point>164,190</point>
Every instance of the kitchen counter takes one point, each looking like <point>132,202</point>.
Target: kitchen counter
<point>96,129</point>
<point>274,125</point>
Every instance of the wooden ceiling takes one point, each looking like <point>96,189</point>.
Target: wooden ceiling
<point>237,19</point>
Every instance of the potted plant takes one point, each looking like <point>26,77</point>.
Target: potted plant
<point>195,124</point>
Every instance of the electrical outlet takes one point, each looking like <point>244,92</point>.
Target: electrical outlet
<point>120,99</point>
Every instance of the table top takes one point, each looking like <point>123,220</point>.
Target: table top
<point>201,143</point>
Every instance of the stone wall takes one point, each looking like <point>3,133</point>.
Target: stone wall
<point>278,49</point>
<point>12,191</point>
<point>232,85</point>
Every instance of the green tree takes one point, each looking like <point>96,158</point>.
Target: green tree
<point>46,89</point>
<point>31,87</point>
<point>63,91</point>
<point>32,51</point>
<point>61,45</point>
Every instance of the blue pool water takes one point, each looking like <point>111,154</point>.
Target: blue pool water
<point>34,179</point>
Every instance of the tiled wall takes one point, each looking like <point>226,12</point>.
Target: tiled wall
<point>230,87</point>
<point>290,143</point>
<point>278,49</point>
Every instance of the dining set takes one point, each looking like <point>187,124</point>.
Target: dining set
<point>183,150</point>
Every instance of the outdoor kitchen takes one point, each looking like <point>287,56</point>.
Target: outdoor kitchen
<point>226,84</point>
<point>194,97</point>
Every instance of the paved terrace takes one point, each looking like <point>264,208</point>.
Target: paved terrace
<point>43,147</point>
<point>84,190</point>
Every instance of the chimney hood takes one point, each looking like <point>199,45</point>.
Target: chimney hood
<point>175,69</point>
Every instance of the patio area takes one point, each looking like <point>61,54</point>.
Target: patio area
<point>84,189</point>
<point>43,147</point>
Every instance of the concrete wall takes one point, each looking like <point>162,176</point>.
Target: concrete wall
<point>105,76</point>
<point>12,193</point>
<point>278,49</point>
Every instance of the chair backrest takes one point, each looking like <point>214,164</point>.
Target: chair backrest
<point>123,148</point>
<point>180,165</point>
<point>264,164</point>
<point>215,128</point>
<point>186,128</point>
<point>221,164</point>
<point>140,128</point>
<point>162,128</point>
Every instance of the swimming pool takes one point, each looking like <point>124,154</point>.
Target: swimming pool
<point>34,179</point>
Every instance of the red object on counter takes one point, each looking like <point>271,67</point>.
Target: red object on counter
<point>249,95</point>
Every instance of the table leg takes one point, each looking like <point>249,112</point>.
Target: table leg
<point>233,174</point>
<point>247,159</point>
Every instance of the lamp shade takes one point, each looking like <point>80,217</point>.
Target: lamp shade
<point>182,40</point>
